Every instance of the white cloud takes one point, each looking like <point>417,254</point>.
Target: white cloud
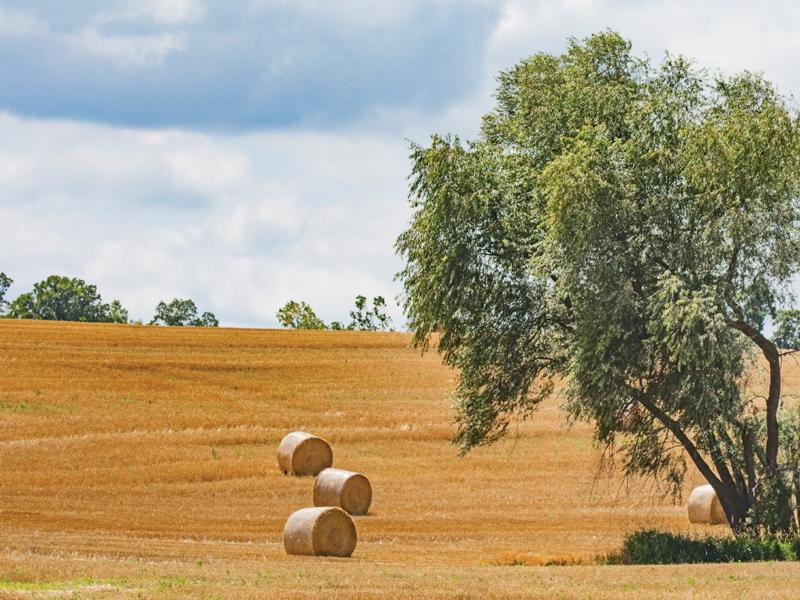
<point>126,51</point>
<point>14,23</point>
<point>239,223</point>
<point>168,11</point>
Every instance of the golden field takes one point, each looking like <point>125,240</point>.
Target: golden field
<point>140,462</point>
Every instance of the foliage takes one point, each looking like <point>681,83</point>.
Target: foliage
<point>299,315</point>
<point>370,319</point>
<point>651,547</point>
<point>60,298</point>
<point>787,331</point>
<point>5,283</point>
<point>117,313</point>
<point>182,312</point>
<point>624,227</point>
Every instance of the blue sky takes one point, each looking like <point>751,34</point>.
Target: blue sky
<point>246,152</point>
<point>239,66</point>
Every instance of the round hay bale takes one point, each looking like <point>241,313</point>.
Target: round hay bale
<point>337,487</point>
<point>320,531</point>
<point>301,453</point>
<point>705,507</point>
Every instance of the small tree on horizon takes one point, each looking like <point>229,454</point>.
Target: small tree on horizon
<point>182,312</point>
<point>625,228</point>
<point>299,315</point>
<point>364,318</point>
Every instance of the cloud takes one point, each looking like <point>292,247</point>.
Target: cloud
<point>731,35</point>
<point>139,51</point>
<point>238,66</point>
<point>16,24</point>
<point>239,223</point>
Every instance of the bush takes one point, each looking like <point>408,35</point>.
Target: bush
<point>651,547</point>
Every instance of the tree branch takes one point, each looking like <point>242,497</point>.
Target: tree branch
<point>680,434</point>
<point>772,355</point>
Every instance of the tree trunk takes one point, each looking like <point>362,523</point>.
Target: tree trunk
<point>773,357</point>
<point>797,495</point>
<point>773,404</point>
<point>735,505</point>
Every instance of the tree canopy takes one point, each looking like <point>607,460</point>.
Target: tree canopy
<point>182,312</point>
<point>60,298</point>
<point>627,228</point>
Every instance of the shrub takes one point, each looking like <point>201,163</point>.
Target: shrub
<point>650,547</point>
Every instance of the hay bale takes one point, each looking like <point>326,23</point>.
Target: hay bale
<point>337,487</point>
<point>705,507</point>
<point>320,531</point>
<point>301,453</point>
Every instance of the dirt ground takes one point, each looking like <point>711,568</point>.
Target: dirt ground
<point>140,462</point>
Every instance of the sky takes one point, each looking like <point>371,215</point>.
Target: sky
<point>243,153</point>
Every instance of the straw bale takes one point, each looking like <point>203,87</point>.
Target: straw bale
<point>705,507</point>
<point>320,531</point>
<point>349,490</point>
<point>301,453</point>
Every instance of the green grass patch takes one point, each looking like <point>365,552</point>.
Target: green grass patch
<point>651,547</point>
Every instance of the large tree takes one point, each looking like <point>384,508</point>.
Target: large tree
<point>60,298</point>
<point>627,228</point>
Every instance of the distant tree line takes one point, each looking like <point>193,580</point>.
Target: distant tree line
<point>299,315</point>
<point>59,298</point>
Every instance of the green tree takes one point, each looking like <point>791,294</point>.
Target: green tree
<point>182,312</point>
<point>117,313</point>
<point>624,227</point>
<point>60,298</point>
<point>299,315</point>
<point>364,318</point>
<point>5,283</point>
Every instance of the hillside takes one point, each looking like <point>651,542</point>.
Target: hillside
<point>142,460</point>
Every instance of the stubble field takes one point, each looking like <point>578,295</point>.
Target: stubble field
<point>140,462</point>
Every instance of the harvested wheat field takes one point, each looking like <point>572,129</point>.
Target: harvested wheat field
<point>141,462</point>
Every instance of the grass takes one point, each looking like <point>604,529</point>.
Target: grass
<point>11,585</point>
<point>154,467</point>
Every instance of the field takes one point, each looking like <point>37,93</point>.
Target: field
<point>140,462</point>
